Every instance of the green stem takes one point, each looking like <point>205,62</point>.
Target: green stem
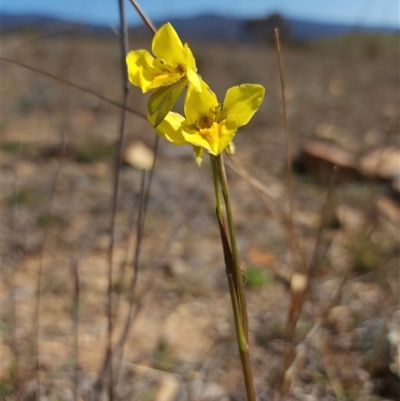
<point>234,274</point>
<point>242,344</point>
<point>216,187</point>
<point>237,276</point>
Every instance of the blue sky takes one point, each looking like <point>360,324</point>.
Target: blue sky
<point>382,13</point>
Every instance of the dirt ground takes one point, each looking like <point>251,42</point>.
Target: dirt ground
<point>56,214</point>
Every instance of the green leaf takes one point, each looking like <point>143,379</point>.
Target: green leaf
<point>257,277</point>
<point>161,101</point>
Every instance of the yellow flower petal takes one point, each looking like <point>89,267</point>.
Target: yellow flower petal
<point>191,69</point>
<point>194,137</point>
<point>215,139</point>
<point>141,68</point>
<point>227,131</point>
<point>194,79</point>
<point>198,154</point>
<point>231,148</point>
<point>212,136</point>
<point>167,46</point>
<point>170,128</point>
<point>190,61</point>
<point>162,79</point>
<point>243,101</point>
<point>173,62</point>
<point>199,104</point>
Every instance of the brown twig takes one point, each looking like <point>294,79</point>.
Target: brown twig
<point>289,166</point>
<point>118,161</point>
<point>299,285</point>
<point>133,313</point>
<point>142,210</point>
<point>260,189</point>
<point>130,244</point>
<point>175,232</point>
<point>144,17</point>
<point>132,287</point>
<point>298,282</point>
<point>305,343</point>
<point>324,216</point>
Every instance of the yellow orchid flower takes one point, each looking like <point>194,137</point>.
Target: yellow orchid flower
<point>208,124</point>
<point>173,62</point>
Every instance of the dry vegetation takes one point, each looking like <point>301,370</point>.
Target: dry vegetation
<point>56,209</point>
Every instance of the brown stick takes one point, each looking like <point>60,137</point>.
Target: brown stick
<point>144,17</point>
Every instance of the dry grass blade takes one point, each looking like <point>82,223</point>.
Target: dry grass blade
<point>299,286</point>
<point>133,313</point>
<point>260,189</point>
<point>295,249</point>
<point>144,198</point>
<point>298,282</point>
<point>324,216</point>
<point>298,352</point>
<point>132,287</point>
<point>118,162</point>
<point>143,16</point>
<point>135,309</point>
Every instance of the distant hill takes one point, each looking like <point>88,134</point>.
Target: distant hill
<point>203,27</point>
<point>12,22</point>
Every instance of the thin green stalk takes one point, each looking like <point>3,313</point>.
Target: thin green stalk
<point>233,272</point>
<point>242,343</point>
<point>235,255</point>
<point>216,187</point>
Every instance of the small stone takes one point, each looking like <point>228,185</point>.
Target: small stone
<point>177,267</point>
<point>7,360</point>
<point>308,397</point>
<point>389,208</point>
<point>6,159</point>
<point>372,137</point>
<point>350,218</point>
<point>338,135</point>
<point>138,155</point>
<point>394,340</point>
<point>258,256</point>
<point>208,392</point>
<point>395,184</point>
<point>168,388</point>
<point>26,169</point>
<point>188,338</point>
<point>383,163</point>
<point>213,392</point>
<point>390,110</point>
<point>46,362</point>
<point>320,157</point>
<point>103,242</point>
<point>298,283</point>
<point>328,131</point>
<point>336,87</point>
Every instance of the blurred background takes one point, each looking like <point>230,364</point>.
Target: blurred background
<point>59,134</point>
